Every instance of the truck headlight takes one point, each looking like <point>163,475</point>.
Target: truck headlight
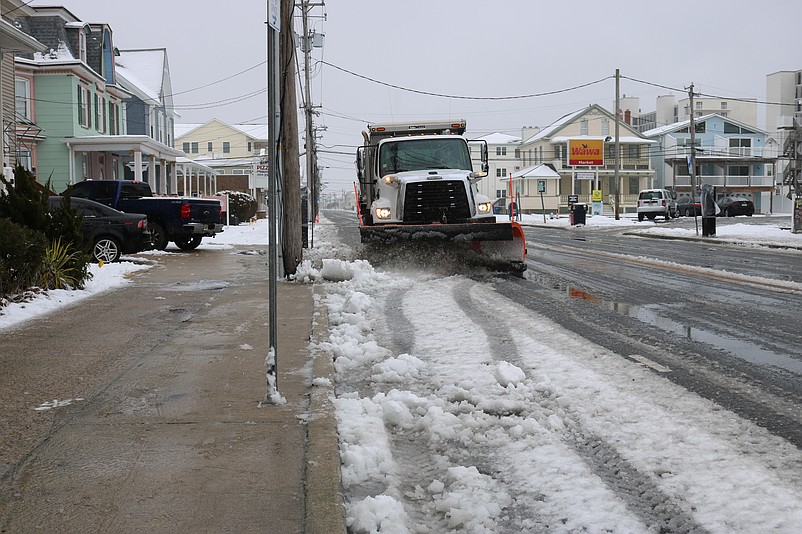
<point>485,207</point>
<point>382,213</point>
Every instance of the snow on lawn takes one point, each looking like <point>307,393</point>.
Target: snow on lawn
<point>524,430</point>
<point>771,230</point>
<point>113,275</point>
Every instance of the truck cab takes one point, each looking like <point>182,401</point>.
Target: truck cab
<point>419,173</point>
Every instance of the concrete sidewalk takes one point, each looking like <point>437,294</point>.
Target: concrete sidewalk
<point>175,440</point>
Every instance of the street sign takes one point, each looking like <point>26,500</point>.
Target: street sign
<point>541,186</point>
<point>585,175</point>
<point>573,199</point>
<point>274,14</point>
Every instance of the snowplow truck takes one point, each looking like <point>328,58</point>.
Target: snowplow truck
<point>416,183</point>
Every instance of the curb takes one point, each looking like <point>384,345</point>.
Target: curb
<point>325,510</point>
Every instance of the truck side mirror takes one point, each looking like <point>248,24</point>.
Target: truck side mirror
<point>360,163</point>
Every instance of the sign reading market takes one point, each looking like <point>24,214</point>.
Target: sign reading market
<point>586,152</point>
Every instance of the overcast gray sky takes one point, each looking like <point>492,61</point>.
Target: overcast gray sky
<point>461,48</point>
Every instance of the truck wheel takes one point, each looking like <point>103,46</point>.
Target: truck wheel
<point>158,236</point>
<point>188,243</point>
<point>106,249</point>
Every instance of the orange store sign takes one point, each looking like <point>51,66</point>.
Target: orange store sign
<point>586,152</point>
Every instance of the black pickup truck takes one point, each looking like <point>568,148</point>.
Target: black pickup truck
<point>182,220</point>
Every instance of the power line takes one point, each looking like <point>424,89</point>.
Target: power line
<point>462,97</point>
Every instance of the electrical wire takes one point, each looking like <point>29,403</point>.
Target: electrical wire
<point>462,97</point>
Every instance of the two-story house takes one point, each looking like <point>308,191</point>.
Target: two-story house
<point>736,158</point>
<point>78,106</point>
<point>502,159</point>
<point>150,112</point>
<point>13,40</point>
<point>232,150</point>
<point>592,127</point>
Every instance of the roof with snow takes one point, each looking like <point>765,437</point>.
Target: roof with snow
<point>144,69</point>
<point>676,126</point>
<point>255,131</point>
<point>498,138</point>
<point>541,170</point>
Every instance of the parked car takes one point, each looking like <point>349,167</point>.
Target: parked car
<point>184,221</point>
<point>654,202</point>
<point>687,206</point>
<point>732,206</point>
<point>108,233</point>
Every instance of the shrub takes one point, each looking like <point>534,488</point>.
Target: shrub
<point>23,203</point>
<point>63,267</point>
<point>22,251</point>
<point>27,227</point>
<point>241,205</point>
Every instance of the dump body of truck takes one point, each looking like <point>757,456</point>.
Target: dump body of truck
<point>416,182</point>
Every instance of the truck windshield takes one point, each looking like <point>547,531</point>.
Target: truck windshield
<point>423,154</point>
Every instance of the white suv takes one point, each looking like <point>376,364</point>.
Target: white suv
<point>654,202</point>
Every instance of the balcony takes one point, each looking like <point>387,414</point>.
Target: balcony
<point>726,153</point>
<point>729,182</point>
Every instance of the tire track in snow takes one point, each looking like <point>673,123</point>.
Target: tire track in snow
<point>658,510</point>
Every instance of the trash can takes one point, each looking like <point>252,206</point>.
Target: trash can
<point>708,226</point>
<point>709,209</point>
<point>578,214</point>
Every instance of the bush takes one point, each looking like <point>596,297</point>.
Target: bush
<point>22,251</point>
<point>27,227</point>
<point>240,205</point>
<point>63,267</point>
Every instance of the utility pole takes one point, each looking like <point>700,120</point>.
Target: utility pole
<point>292,249</point>
<point>692,162</point>
<point>795,168</point>
<point>616,177</point>
<point>311,150</point>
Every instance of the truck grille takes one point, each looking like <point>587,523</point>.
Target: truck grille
<point>436,202</point>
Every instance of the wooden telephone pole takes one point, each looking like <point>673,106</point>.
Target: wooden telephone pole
<point>292,247</point>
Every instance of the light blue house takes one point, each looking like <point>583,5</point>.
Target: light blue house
<point>736,158</point>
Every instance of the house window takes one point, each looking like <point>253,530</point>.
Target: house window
<point>226,147</point>
<point>84,106</point>
<point>250,146</point>
<point>699,105</point>
<point>194,147</point>
<point>723,105</point>
<point>114,118</point>
<point>210,146</point>
<point>100,112</point>
<point>24,158</point>
<point>185,148</point>
<point>583,127</point>
<point>634,151</point>
<point>501,193</point>
<point>22,102</point>
<point>82,46</point>
<point>605,126</point>
<point>738,170</point>
<point>97,112</point>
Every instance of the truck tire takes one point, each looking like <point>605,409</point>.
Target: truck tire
<point>188,243</point>
<point>106,249</point>
<point>158,236</point>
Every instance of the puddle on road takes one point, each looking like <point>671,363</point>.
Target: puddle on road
<point>740,348</point>
<point>202,285</point>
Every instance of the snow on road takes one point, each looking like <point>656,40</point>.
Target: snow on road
<point>460,411</point>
